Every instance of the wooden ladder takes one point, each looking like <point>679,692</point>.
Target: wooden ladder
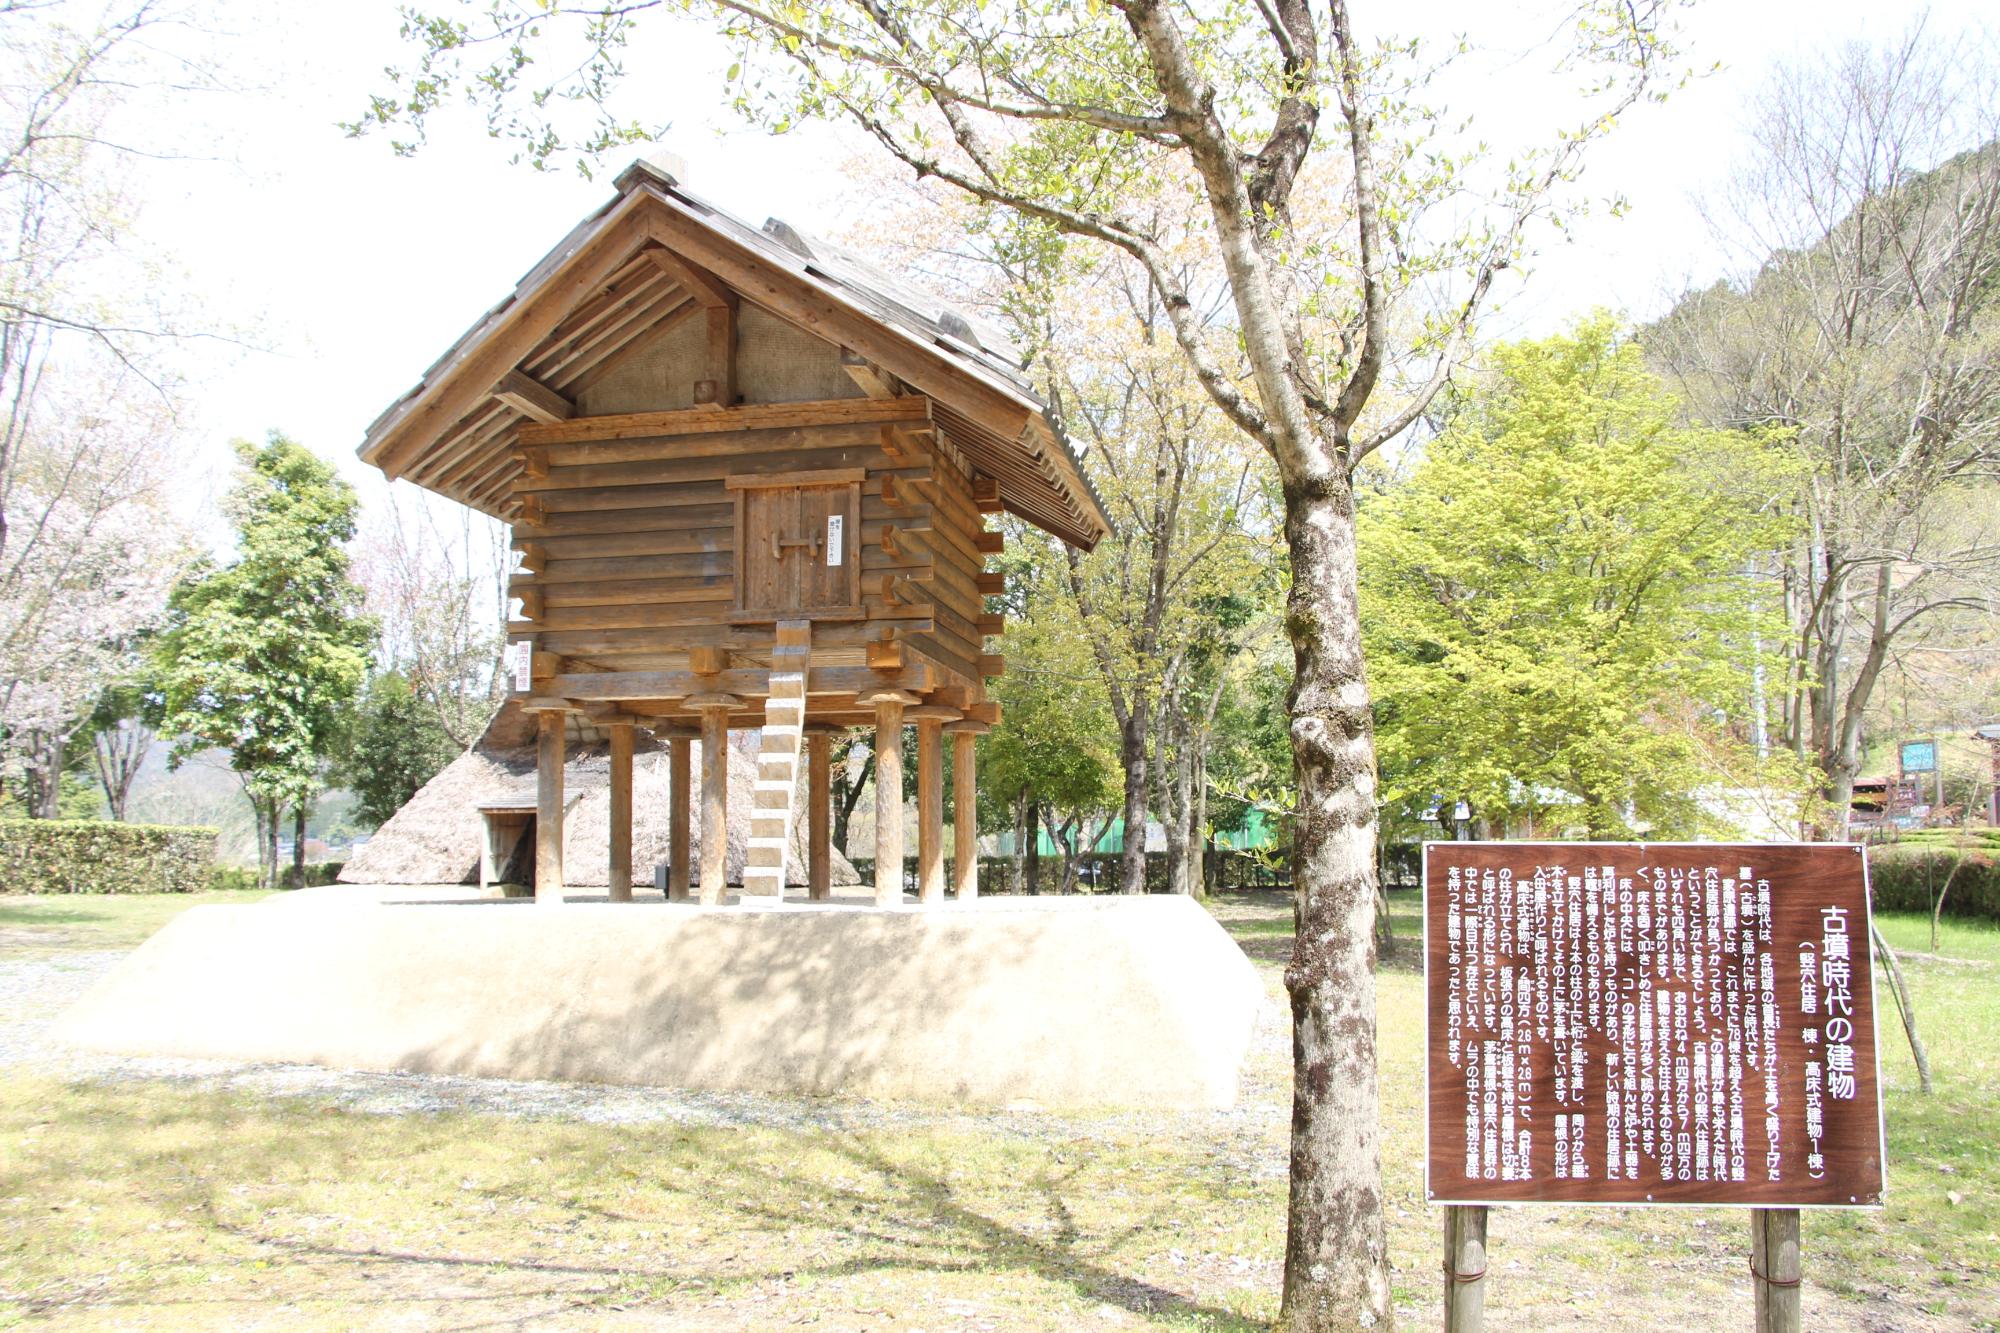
<point>778,763</point>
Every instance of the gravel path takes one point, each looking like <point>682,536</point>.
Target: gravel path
<point>35,989</point>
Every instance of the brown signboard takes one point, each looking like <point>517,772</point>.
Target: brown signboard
<point>1635,1023</point>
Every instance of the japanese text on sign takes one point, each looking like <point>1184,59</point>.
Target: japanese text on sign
<point>1642,1023</point>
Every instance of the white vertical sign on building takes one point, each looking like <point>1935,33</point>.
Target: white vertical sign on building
<point>524,658</point>
<point>835,525</point>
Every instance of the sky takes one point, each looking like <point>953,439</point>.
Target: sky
<point>348,270</point>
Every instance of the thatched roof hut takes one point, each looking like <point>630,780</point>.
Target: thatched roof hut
<point>436,837</point>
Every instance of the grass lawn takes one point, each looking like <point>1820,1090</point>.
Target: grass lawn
<point>151,1204</point>
<point>61,921</point>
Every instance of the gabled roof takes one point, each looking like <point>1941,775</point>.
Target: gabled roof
<point>598,292</point>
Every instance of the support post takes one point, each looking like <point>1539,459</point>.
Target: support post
<point>889,705</point>
<point>819,816</point>
<point>1774,1268</point>
<point>965,809</point>
<point>489,851</point>
<point>549,805</point>
<point>680,800</point>
<point>1464,1268</point>
<point>620,890</point>
<point>930,720</point>
<point>714,710</point>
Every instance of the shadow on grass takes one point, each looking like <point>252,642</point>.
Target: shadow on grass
<point>1261,924</point>
<point>832,1205</point>
<point>42,915</point>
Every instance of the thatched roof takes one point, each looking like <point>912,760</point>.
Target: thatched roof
<point>436,837</point>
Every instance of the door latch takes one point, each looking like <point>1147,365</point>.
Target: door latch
<point>779,545</point>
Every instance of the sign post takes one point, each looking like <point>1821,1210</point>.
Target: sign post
<point>1649,1024</point>
<point>1774,1267</point>
<point>1918,757</point>
<point>1464,1268</point>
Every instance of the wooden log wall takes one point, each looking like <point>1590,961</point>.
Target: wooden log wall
<point>626,530</point>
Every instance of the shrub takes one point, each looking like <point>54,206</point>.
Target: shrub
<point>101,856</point>
<point>1905,877</point>
<point>243,879</point>
<point>232,879</point>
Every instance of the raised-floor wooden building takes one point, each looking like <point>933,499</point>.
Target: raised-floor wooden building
<point>747,474</point>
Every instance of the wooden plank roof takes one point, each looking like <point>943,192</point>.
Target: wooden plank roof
<point>599,291</point>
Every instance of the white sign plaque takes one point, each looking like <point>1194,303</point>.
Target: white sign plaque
<point>834,525</point>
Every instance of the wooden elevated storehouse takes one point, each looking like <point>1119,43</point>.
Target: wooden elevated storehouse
<point>747,474</point>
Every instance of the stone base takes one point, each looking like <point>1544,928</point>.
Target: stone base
<point>1060,1001</point>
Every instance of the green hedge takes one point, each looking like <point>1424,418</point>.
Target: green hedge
<point>241,879</point>
<point>100,856</point>
<point>1906,877</point>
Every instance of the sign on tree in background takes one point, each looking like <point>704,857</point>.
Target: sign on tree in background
<point>1638,1023</point>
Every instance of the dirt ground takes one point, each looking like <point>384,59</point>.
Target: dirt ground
<point>180,1195</point>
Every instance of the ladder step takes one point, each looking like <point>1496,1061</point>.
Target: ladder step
<point>776,783</point>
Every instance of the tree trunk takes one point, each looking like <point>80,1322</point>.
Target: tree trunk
<point>271,844</point>
<point>1017,880</point>
<point>849,789</point>
<point>1034,847</point>
<point>1200,861</point>
<point>1169,767</point>
<point>299,845</point>
<point>1132,754</point>
<point>1336,1252</point>
<point>1842,723</point>
<point>1174,821</point>
<point>257,813</point>
<point>1063,835</point>
<point>1906,1007</point>
<point>119,753</point>
<point>45,770</point>
<point>267,840</point>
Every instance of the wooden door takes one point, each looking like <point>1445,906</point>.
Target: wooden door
<point>766,580</point>
<point>828,573</point>
<point>795,545</point>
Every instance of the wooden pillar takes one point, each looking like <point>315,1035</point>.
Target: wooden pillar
<point>549,758</point>
<point>1774,1268</point>
<point>714,710</point>
<point>930,720</point>
<point>680,769</point>
<point>1464,1269</point>
<point>819,815</point>
<point>489,850</point>
<point>965,808</point>
<point>889,705</point>
<point>621,812</point>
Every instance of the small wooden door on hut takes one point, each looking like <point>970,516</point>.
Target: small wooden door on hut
<point>796,534</point>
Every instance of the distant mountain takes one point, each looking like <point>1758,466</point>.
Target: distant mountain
<point>206,790</point>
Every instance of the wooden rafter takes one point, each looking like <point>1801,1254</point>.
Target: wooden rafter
<point>699,282</point>
<point>867,376</point>
<point>532,398</point>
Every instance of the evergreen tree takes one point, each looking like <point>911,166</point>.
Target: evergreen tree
<point>397,745</point>
<point>263,657</point>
